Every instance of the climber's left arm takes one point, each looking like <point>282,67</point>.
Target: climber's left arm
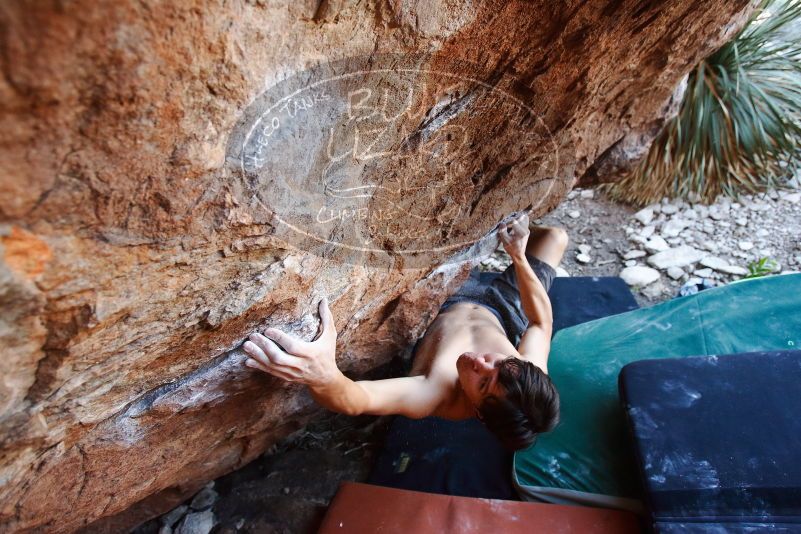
<point>314,364</point>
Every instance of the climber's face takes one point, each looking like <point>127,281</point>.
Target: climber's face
<point>478,375</point>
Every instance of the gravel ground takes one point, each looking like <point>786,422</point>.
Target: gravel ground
<point>289,487</point>
<point>662,247</point>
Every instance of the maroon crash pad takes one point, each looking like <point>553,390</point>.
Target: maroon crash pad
<point>365,508</point>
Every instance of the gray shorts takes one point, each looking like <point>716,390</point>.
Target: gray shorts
<point>501,295</point>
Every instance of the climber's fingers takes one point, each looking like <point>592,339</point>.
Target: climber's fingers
<point>270,354</point>
<point>326,317</point>
<point>255,364</point>
<point>260,360</point>
<point>522,220</point>
<point>503,233</point>
<point>280,372</point>
<point>520,227</point>
<point>290,343</point>
<point>517,229</point>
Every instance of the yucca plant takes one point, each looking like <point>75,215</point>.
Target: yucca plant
<point>738,129</point>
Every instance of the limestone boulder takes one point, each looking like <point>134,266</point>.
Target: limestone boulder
<point>177,175</point>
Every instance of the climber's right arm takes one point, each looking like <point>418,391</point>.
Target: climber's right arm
<point>314,364</point>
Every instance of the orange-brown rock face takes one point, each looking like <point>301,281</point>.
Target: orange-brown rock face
<point>176,175</point>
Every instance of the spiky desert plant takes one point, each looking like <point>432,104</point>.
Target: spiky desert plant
<point>738,128</point>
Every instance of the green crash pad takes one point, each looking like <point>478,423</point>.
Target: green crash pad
<point>589,458</point>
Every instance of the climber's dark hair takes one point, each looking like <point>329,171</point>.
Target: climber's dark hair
<point>530,406</point>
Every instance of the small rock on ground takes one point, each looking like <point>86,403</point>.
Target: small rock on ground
<point>639,276</point>
<point>656,244</point>
<point>170,518</point>
<point>204,499</point>
<point>675,272</point>
<point>634,254</point>
<point>676,257</point>
<point>196,523</point>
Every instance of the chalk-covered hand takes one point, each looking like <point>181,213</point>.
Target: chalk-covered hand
<point>514,237</point>
<point>288,357</point>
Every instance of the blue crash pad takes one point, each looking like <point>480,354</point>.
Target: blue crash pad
<point>718,439</point>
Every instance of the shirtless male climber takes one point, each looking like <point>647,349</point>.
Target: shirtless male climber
<point>485,355</point>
